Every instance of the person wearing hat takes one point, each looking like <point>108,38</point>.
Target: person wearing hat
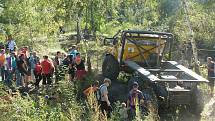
<point>103,97</point>
<point>135,100</point>
<point>73,51</point>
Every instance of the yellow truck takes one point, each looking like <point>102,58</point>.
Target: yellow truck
<point>148,55</point>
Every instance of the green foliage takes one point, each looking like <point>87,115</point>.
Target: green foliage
<point>38,108</point>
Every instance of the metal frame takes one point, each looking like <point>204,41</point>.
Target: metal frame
<point>124,36</point>
<point>146,73</point>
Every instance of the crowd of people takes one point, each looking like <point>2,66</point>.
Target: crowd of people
<point>22,66</point>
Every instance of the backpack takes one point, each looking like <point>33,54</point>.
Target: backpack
<point>98,93</point>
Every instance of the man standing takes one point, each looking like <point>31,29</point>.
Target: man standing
<point>47,68</point>
<point>210,66</point>
<point>23,70</point>
<point>11,44</point>
<point>103,97</point>
<point>33,60</point>
<point>57,63</point>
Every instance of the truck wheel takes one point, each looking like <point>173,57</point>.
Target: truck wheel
<point>110,67</point>
<point>197,104</point>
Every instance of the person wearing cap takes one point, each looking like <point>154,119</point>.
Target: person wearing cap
<point>103,97</point>
<point>135,100</point>
<point>73,51</point>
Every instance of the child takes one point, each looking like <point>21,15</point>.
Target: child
<point>92,89</point>
<point>123,112</point>
<point>38,74</point>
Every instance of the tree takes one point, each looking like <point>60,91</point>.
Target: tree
<point>191,34</point>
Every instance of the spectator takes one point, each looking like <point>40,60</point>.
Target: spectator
<point>92,89</point>
<point>8,72</point>
<point>33,60</point>
<point>23,70</point>
<point>2,64</point>
<point>72,69</point>
<point>80,66</point>
<point>10,67</point>
<point>102,96</point>
<point>38,74</point>
<point>25,51</point>
<point>11,44</point>
<point>210,66</point>
<point>73,51</point>
<point>135,100</point>
<point>57,63</point>
<point>47,68</point>
<point>123,112</point>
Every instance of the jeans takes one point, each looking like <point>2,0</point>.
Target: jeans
<point>9,76</point>
<point>38,79</point>
<point>18,78</point>
<point>105,108</point>
<point>2,73</point>
<point>33,75</point>
<point>46,79</point>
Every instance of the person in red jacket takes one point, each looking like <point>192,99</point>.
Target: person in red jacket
<point>47,68</point>
<point>38,74</point>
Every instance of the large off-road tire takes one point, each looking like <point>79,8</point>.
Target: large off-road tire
<point>110,67</point>
<point>197,101</point>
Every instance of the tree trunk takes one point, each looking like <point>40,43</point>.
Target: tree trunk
<point>89,67</point>
<point>191,33</point>
<point>78,31</point>
<point>93,29</point>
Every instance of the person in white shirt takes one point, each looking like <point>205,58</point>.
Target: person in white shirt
<point>103,97</point>
<point>11,44</point>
